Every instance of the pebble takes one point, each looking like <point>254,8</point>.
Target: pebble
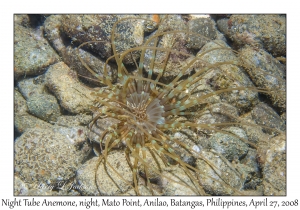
<point>85,178</point>
<point>32,86</point>
<point>251,169</point>
<point>44,107</point>
<point>20,187</point>
<point>191,140</point>
<point>201,26</point>
<point>172,188</point>
<point>264,115</point>
<point>43,156</point>
<point>22,19</point>
<point>176,61</point>
<point>74,120</point>
<point>274,170</point>
<point>83,28</point>
<point>20,105</point>
<point>231,147</point>
<point>212,179</point>
<point>228,76</point>
<point>68,90</point>
<point>263,31</point>
<point>52,26</point>
<point>25,121</point>
<point>266,72</point>
<point>70,57</point>
<point>112,182</point>
<point>32,54</point>
<point>215,113</point>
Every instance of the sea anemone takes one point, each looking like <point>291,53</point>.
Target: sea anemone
<point>153,109</point>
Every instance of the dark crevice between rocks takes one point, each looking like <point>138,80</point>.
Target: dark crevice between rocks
<point>36,20</point>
